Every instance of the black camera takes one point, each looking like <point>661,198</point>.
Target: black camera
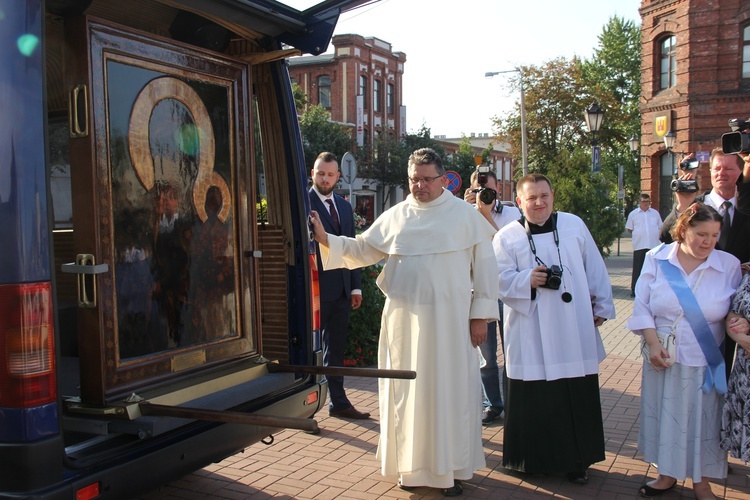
<point>554,277</point>
<point>738,140</point>
<point>686,185</point>
<point>486,195</point>
<point>690,164</point>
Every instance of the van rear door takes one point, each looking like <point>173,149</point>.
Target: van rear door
<point>160,159</point>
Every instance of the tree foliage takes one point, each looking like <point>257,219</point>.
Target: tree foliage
<point>384,161</point>
<point>320,134</point>
<point>557,94</point>
<point>463,160</point>
<point>614,77</point>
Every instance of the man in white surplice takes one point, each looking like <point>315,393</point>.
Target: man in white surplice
<point>440,284</point>
<point>553,420</point>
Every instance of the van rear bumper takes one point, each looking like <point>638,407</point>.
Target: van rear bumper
<point>159,461</point>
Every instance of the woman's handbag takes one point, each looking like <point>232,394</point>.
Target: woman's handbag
<point>667,339</point>
<point>667,342</point>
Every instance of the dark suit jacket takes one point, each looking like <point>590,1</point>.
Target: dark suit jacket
<point>336,281</point>
<point>739,242</point>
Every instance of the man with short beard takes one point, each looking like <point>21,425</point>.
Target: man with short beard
<point>340,289</point>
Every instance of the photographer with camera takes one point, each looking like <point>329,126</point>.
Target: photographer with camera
<point>726,171</point>
<point>483,195</point>
<point>556,293</point>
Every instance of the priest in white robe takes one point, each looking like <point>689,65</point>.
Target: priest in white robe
<point>553,420</point>
<point>440,284</point>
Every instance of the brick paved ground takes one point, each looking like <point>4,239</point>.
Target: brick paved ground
<point>340,462</point>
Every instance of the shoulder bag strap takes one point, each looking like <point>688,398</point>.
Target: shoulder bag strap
<point>715,371</point>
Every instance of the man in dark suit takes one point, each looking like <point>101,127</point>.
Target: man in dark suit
<point>340,289</point>
<point>726,173</point>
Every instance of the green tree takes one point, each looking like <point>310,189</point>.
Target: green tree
<point>613,75</point>
<point>463,160</point>
<point>422,139</point>
<point>300,98</point>
<point>320,134</point>
<point>557,94</point>
<point>588,195</point>
<point>384,162</point>
<point>554,97</point>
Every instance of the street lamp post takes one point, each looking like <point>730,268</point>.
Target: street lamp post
<point>669,139</point>
<point>594,116</point>
<point>524,154</point>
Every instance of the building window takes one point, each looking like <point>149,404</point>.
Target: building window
<point>668,60</point>
<point>363,90</point>
<point>324,91</point>
<point>746,51</point>
<point>376,97</point>
<point>389,99</point>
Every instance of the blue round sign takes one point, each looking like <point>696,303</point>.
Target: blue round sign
<point>454,181</point>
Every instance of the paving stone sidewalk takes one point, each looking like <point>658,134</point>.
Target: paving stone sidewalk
<point>340,462</point>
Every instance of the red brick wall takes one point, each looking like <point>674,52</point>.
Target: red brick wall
<point>709,88</point>
<point>353,56</point>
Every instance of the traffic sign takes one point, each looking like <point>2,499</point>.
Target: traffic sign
<point>454,181</point>
<point>348,168</point>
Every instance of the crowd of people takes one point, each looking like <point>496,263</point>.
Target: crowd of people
<point>460,273</point>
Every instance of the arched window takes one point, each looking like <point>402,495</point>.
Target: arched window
<point>363,90</point>
<point>324,91</point>
<point>746,51</point>
<point>668,62</point>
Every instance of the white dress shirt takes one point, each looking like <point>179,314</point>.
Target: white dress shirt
<point>657,306</point>
<point>645,226</point>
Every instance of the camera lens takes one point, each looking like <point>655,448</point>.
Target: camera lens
<point>487,196</point>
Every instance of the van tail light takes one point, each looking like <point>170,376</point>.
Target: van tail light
<point>27,346</point>
<point>314,292</point>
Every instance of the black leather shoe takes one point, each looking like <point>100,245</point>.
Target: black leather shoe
<point>490,414</point>
<point>647,491</point>
<point>454,491</point>
<point>578,477</point>
<point>350,413</point>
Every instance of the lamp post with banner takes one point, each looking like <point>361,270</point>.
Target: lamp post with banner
<point>594,116</point>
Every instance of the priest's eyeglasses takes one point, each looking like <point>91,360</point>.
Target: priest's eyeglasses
<point>424,180</point>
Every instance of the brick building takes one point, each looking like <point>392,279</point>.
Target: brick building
<point>695,77</point>
<point>360,85</point>
<point>500,160</point>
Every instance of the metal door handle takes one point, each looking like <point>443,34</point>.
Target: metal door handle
<point>85,266</point>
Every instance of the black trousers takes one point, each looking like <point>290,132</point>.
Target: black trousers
<point>334,323</point>
<point>639,256</point>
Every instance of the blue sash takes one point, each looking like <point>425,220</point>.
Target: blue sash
<point>715,372</point>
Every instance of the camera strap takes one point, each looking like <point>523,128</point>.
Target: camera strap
<point>566,296</point>
<point>554,235</point>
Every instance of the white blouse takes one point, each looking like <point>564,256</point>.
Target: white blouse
<point>657,306</point>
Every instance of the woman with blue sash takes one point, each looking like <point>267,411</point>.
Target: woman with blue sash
<point>683,295</point>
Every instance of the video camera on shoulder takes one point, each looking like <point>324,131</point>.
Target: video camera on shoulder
<point>485,194</point>
<point>686,185</point>
<point>738,140</point>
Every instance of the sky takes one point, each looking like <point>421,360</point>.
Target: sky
<point>450,45</point>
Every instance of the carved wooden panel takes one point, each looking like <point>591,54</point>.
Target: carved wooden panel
<point>274,302</point>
